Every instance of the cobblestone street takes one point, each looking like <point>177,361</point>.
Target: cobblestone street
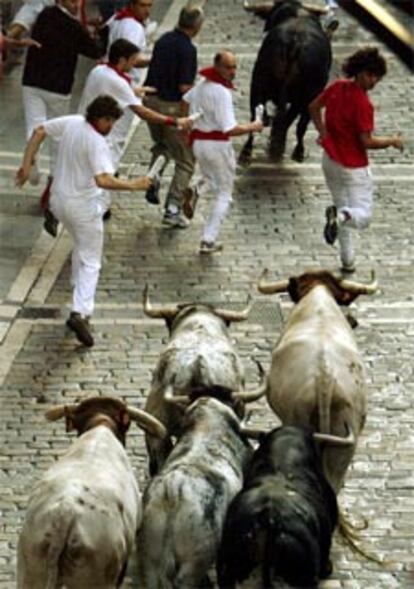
<point>276,222</point>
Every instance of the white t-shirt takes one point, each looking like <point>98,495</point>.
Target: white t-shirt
<point>131,30</point>
<point>104,80</point>
<point>83,153</point>
<point>29,12</point>
<point>216,102</point>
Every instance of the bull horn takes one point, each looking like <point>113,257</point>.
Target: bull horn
<point>228,315</point>
<point>335,440</point>
<point>359,287</point>
<point>148,422</point>
<point>59,411</point>
<point>181,400</point>
<point>271,287</point>
<point>251,432</point>
<point>164,312</point>
<point>319,10</point>
<point>258,6</point>
<point>250,396</point>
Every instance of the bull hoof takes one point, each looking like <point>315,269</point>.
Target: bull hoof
<point>275,155</point>
<point>298,155</point>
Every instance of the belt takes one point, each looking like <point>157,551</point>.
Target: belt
<point>208,136</point>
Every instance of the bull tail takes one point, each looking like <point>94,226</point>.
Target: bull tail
<point>325,385</point>
<point>60,530</point>
<point>197,375</point>
<point>350,535</point>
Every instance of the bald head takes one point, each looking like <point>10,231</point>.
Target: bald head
<point>226,65</point>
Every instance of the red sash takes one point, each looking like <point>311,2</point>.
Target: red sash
<point>211,74</point>
<point>121,74</point>
<point>127,12</point>
<point>207,136</point>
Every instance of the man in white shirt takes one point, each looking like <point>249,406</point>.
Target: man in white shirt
<point>83,169</point>
<point>112,78</point>
<point>211,142</point>
<point>129,23</point>
<point>26,16</point>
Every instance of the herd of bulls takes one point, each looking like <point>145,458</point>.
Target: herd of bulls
<point>264,516</point>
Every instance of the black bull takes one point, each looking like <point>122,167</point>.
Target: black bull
<point>281,523</point>
<point>291,69</point>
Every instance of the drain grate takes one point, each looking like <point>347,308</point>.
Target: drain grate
<point>39,313</point>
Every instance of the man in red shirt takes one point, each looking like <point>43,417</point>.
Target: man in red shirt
<point>346,135</point>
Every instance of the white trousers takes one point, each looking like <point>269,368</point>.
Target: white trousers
<point>217,163</point>
<point>84,223</point>
<point>39,106</point>
<point>352,193</point>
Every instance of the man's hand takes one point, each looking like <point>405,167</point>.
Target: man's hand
<point>142,183</point>
<point>398,142</point>
<point>144,90</point>
<point>184,123</point>
<point>257,127</point>
<point>22,175</point>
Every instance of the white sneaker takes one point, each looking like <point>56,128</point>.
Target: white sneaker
<point>210,247</point>
<point>34,175</point>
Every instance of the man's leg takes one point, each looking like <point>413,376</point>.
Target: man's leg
<point>218,165</point>
<point>183,156</point>
<point>35,114</point>
<point>88,245</point>
<point>337,179</point>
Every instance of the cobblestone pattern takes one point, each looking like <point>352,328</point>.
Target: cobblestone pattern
<point>276,221</point>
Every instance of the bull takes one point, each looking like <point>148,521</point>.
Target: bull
<point>83,514</point>
<point>186,503</point>
<point>317,377</point>
<point>279,528</point>
<point>199,353</point>
<point>291,69</point>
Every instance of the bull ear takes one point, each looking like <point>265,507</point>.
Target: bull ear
<point>125,418</point>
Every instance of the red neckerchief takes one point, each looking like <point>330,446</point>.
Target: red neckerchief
<point>211,74</point>
<point>127,12</point>
<point>95,128</point>
<point>121,74</point>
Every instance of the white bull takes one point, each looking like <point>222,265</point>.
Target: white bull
<point>317,376</point>
<point>199,353</point>
<point>83,514</point>
<point>186,503</point>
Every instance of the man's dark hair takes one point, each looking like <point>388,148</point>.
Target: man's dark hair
<point>121,48</point>
<point>190,18</point>
<point>103,106</point>
<point>367,59</point>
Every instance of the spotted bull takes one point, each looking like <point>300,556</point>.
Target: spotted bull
<point>291,69</point>
<point>317,376</point>
<point>199,353</point>
<point>186,503</point>
<point>83,514</point>
<point>278,529</point>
